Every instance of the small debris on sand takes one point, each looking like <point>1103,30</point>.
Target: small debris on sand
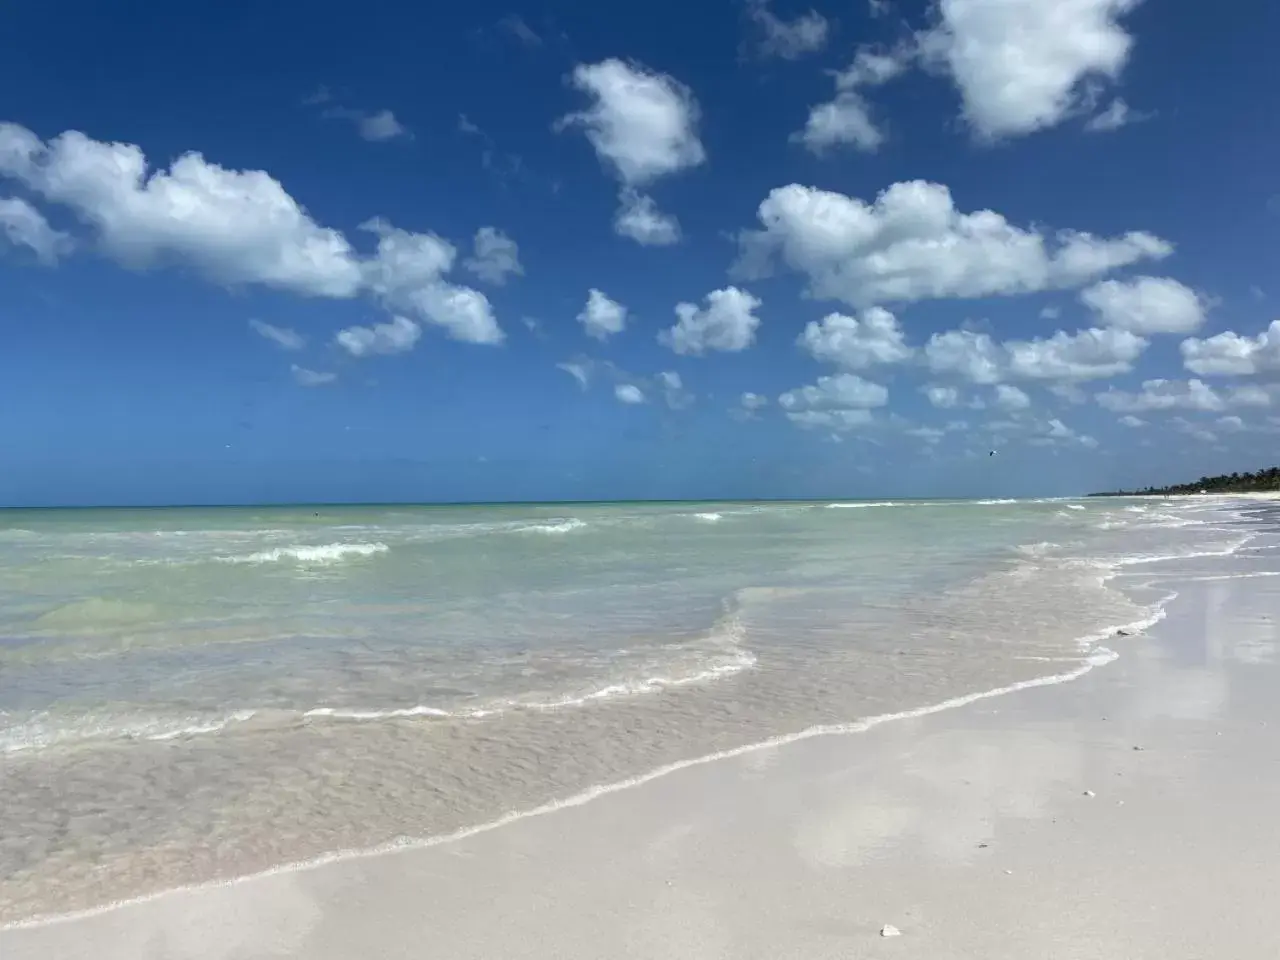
<point>1090,793</point>
<point>1137,748</point>
<point>889,930</point>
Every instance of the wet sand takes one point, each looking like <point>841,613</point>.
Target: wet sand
<point>1128,814</point>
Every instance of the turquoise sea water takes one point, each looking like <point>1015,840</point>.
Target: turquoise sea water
<point>188,694</point>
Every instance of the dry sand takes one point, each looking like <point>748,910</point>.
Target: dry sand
<point>1127,815</point>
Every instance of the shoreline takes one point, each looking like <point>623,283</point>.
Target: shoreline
<point>516,856</point>
<point>1092,655</point>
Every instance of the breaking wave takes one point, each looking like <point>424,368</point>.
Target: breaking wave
<point>309,554</point>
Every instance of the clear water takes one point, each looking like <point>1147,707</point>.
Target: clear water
<point>191,694</point>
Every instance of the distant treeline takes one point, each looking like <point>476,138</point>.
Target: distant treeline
<point>1263,480</point>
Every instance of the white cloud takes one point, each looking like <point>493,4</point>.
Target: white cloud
<point>628,393</point>
<point>1194,430</point>
<point>234,226</point>
<point>751,402</point>
<point>1118,114</point>
<point>1230,424</point>
<point>1011,398</point>
<point>846,119</point>
<point>944,398</point>
<point>496,257</point>
<point>398,335</point>
<point>1146,305</point>
<point>311,378</point>
<point>929,435</point>
<point>787,39</point>
<point>1056,431</point>
<point>1070,392</point>
<point>602,317</point>
<point>727,323</point>
<point>911,243</point>
<point>580,370</point>
<point>377,126</point>
<point>238,227</point>
<point>673,390</point>
<point>1026,65</point>
<point>1230,354</point>
<point>407,275</point>
<point>1129,420</point>
<point>1050,313</point>
<point>516,26</point>
<point>1249,396</point>
<point>1185,395</point>
<point>25,226</point>
<point>641,123</point>
<point>856,343</point>
<point>283,337</point>
<point>639,219</point>
<point>838,402</point>
<point>1085,355</point>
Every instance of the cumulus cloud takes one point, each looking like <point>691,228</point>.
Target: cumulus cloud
<point>628,393</point>
<point>407,274</point>
<point>25,226</point>
<point>311,378</point>
<point>787,39</point>
<point>1230,354</point>
<point>639,219</point>
<point>846,118</point>
<point>1129,420</point>
<point>1085,355</point>
<point>377,126</point>
<point>601,317</point>
<point>856,343</point>
<point>944,398</point>
<point>1146,305</point>
<point>1027,65</point>
<point>1180,395</point>
<point>674,392</point>
<point>642,124</point>
<point>283,337</point>
<point>234,226</point>
<point>728,323</point>
<point>398,335</point>
<point>751,402</point>
<point>1055,431</point>
<point>238,227</point>
<point>911,243</point>
<point>838,402</point>
<point>496,257</point>
<point>1009,397</point>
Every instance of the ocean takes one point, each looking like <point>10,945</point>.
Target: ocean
<point>196,694</point>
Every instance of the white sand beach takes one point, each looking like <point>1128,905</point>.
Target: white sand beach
<point>1126,814</point>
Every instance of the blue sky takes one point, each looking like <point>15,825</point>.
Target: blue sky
<point>287,252</point>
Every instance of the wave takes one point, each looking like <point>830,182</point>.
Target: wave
<point>992,503</point>
<point>709,517</point>
<point>310,554</point>
<point>862,506</point>
<point>555,527</point>
<point>39,733</point>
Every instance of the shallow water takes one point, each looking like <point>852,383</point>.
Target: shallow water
<point>191,694</point>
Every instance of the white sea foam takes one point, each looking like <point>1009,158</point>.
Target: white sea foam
<point>43,732</point>
<point>310,554</point>
<point>862,506</point>
<point>554,527</point>
<point>709,517</point>
<point>992,503</point>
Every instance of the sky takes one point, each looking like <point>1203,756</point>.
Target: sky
<point>746,249</point>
